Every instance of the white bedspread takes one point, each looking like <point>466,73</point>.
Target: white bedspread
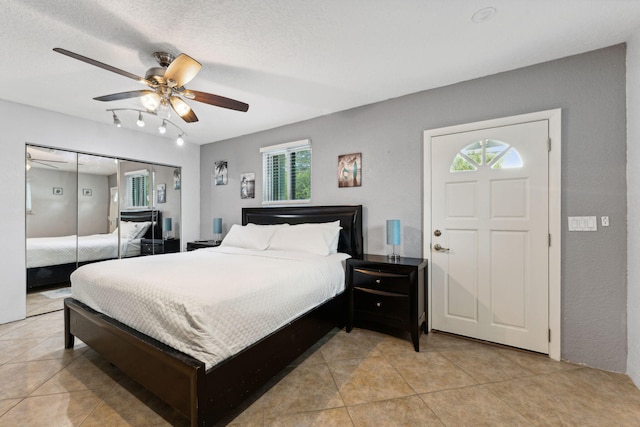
<point>210,303</point>
<point>43,251</point>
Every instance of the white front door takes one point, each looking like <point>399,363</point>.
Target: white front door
<point>490,234</point>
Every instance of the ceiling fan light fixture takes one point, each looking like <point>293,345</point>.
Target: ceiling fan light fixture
<point>140,121</point>
<point>163,127</point>
<point>164,110</point>
<point>151,101</point>
<point>181,107</point>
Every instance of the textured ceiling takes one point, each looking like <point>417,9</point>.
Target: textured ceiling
<point>290,60</point>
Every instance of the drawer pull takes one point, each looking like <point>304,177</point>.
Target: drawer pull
<point>378,304</point>
<point>378,281</point>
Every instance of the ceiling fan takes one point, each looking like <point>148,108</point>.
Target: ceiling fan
<point>166,85</point>
<point>44,162</point>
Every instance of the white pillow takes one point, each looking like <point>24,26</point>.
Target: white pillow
<point>319,239</point>
<point>133,230</point>
<point>249,237</point>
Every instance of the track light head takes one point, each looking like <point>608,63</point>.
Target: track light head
<point>116,120</point>
<point>163,127</point>
<point>140,121</point>
<point>180,140</point>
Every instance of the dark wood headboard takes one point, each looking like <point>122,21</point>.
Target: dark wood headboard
<point>350,216</point>
<point>155,216</point>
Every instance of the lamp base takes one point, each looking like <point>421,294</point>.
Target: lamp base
<point>393,256</point>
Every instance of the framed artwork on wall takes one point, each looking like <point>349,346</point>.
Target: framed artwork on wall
<point>248,185</point>
<point>161,193</point>
<point>220,173</point>
<point>177,179</point>
<point>350,170</point>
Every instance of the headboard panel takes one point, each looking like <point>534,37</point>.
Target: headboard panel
<point>350,216</point>
<point>155,216</point>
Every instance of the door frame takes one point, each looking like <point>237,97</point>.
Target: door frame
<point>555,219</point>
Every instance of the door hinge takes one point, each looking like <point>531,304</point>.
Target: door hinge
<point>548,144</point>
<point>549,335</point>
<point>549,240</point>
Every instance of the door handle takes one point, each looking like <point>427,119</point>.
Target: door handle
<point>437,247</point>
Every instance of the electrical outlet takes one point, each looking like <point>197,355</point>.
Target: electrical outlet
<point>605,221</point>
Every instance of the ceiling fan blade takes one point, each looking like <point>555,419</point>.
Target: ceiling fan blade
<point>182,70</point>
<point>48,161</point>
<point>217,100</point>
<point>123,95</point>
<point>44,164</point>
<point>183,109</point>
<point>103,66</point>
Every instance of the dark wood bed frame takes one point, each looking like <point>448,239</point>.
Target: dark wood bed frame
<point>206,396</point>
<point>50,275</point>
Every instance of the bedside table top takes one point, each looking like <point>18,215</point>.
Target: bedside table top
<point>383,259</point>
<point>204,243</point>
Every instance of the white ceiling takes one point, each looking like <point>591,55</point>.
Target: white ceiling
<point>290,60</point>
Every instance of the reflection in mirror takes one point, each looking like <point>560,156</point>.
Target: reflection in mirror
<point>95,242</point>
<point>150,208</point>
<point>51,220</point>
<point>83,208</point>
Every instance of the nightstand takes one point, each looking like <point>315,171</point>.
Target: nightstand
<point>199,244</point>
<point>159,246</point>
<point>386,294</point>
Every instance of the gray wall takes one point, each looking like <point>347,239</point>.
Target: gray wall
<point>55,215</point>
<point>590,89</point>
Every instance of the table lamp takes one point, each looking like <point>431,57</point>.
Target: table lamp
<point>166,227</point>
<point>393,237</point>
<point>217,230</point>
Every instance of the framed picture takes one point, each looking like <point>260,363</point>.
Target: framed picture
<point>350,170</point>
<point>57,191</point>
<point>161,193</point>
<point>86,192</point>
<point>220,173</point>
<point>248,185</point>
<point>177,178</point>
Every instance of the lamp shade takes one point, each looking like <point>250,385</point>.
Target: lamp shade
<point>166,224</point>
<point>393,232</point>
<point>217,225</point>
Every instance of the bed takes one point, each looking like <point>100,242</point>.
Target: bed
<point>51,260</point>
<point>205,394</point>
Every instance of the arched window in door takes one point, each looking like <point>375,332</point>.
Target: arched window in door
<point>486,153</point>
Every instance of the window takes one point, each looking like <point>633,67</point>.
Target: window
<point>496,154</point>
<point>286,173</point>
<point>137,188</point>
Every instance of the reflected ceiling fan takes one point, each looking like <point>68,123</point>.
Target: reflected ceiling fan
<point>43,161</point>
<point>166,85</point>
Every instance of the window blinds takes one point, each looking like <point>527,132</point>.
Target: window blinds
<point>137,188</point>
<point>286,172</point>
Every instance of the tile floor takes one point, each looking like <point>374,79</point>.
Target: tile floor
<point>40,304</point>
<point>359,379</point>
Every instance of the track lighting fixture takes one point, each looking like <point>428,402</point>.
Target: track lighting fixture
<point>116,120</point>
<point>162,129</point>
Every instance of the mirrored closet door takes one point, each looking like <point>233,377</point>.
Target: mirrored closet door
<point>83,208</point>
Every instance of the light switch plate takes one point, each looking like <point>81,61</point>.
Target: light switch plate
<point>583,223</point>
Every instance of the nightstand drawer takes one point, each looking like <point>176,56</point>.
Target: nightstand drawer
<point>150,248</point>
<point>382,307</point>
<point>381,280</point>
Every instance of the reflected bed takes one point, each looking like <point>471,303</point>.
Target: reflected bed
<point>51,260</point>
